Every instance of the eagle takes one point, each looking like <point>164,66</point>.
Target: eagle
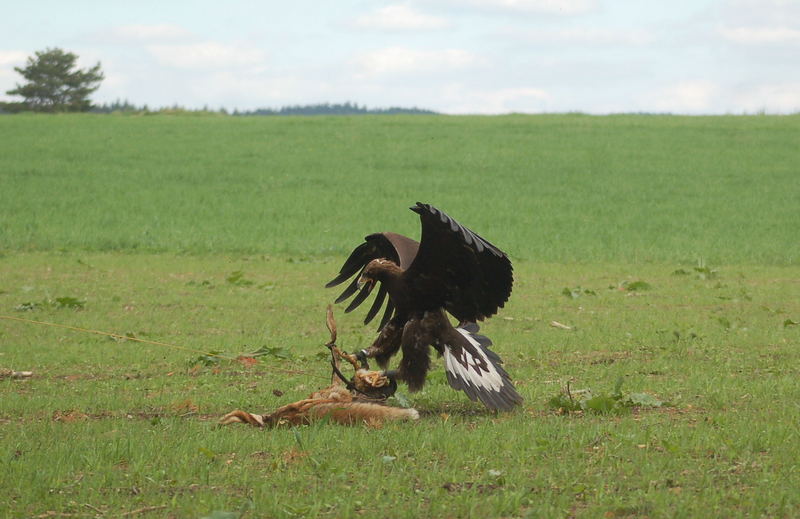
<point>451,270</point>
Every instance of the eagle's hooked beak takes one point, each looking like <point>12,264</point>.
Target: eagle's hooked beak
<point>364,281</point>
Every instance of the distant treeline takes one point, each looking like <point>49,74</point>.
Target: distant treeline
<point>334,109</point>
<point>348,108</point>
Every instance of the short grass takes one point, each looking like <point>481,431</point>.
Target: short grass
<point>217,234</point>
<point>554,188</point>
<point>106,427</point>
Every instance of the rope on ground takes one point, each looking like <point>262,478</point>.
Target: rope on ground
<point>137,339</point>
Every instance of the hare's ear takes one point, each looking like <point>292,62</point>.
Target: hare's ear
<point>331,322</point>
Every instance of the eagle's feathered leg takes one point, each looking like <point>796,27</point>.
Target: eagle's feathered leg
<point>386,345</point>
<point>416,362</point>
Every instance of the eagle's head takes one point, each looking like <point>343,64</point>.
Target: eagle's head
<point>377,270</point>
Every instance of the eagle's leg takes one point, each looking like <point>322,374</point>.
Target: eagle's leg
<point>361,356</point>
<point>352,359</point>
<point>416,362</point>
<point>386,345</point>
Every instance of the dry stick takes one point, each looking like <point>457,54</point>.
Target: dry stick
<point>87,505</point>
<point>8,373</point>
<point>556,324</point>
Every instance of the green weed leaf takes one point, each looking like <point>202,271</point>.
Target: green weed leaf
<point>211,358</point>
<point>59,302</point>
<point>237,278</point>
<point>670,447</point>
<point>617,402</point>
<point>69,302</point>
<point>297,511</point>
<point>703,271</point>
<point>402,400</point>
<point>208,453</point>
<point>638,286</point>
<point>574,293</point>
<point>222,514</point>
<point>298,438</point>
<point>617,394</point>
<point>563,403</point>
<point>601,404</point>
<point>643,400</point>
<point>278,352</point>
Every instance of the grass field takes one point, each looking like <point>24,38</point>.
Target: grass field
<point>669,245</point>
<point>560,188</point>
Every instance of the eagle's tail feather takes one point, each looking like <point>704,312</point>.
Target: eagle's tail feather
<point>477,371</point>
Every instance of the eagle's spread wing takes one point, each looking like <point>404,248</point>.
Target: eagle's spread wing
<point>457,269</point>
<point>388,245</point>
<point>476,370</point>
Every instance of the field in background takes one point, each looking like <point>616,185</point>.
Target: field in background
<point>668,245</point>
<point>560,188</point>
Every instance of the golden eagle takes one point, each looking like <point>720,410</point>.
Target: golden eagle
<point>453,270</point>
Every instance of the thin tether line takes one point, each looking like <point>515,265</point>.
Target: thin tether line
<point>136,339</point>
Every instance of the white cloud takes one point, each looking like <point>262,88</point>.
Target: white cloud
<point>400,17</point>
<point>685,97</point>
<point>459,99</point>
<point>760,35</point>
<point>257,90</point>
<point>402,60</point>
<point>771,98</point>
<point>10,58</point>
<point>588,36</point>
<point>150,33</point>
<point>562,7</point>
<point>138,34</point>
<point>758,13</point>
<point>207,55</point>
<point>8,76</point>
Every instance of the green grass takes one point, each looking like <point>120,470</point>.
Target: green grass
<point>554,188</point>
<point>217,234</point>
<point>120,426</point>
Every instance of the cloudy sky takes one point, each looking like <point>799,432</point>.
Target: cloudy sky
<point>453,56</point>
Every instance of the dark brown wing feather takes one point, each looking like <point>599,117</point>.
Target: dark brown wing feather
<point>388,245</point>
<point>457,269</point>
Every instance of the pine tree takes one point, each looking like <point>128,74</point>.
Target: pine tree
<point>54,84</point>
